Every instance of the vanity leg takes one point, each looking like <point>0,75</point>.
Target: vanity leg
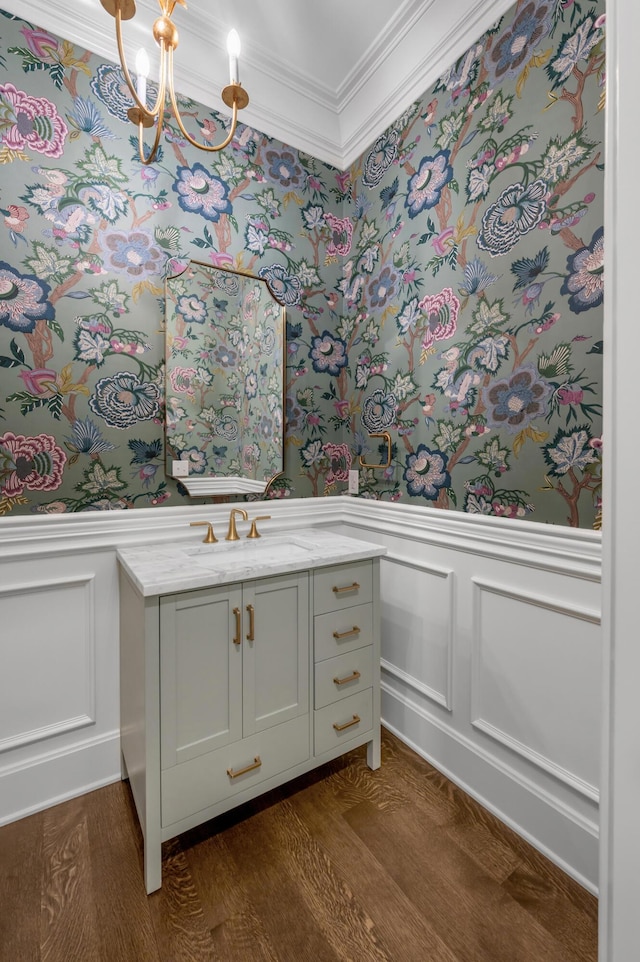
<point>373,752</point>
<point>152,867</point>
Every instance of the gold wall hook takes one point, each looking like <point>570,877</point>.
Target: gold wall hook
<point>379,467</point>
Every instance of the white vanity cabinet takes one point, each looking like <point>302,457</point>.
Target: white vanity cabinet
<point>234,680</point>
<point>230,689</point>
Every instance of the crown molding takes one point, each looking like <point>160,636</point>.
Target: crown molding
<point>410,67</point>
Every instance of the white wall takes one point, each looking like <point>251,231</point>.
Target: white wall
<point>491,655</point>
<point>620,852</point>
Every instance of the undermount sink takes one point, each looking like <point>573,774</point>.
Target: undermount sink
<point>244,553</point>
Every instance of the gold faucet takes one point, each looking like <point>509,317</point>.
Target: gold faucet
<point>209,537</point>
<point>232,533</point>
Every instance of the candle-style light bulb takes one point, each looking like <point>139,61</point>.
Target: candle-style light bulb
<point>233,48</point>
<point>142,70</point>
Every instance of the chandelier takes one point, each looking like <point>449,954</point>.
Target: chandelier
<point>166,36</point>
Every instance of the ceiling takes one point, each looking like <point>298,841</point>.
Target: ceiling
<point>324,77</point>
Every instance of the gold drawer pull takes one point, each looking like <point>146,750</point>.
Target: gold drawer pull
<point>243,771</point>
<point>343,681</point>
<point>339,635</point>
<point>237,639</point>
<point>354,721</point>
<point>338,591</point>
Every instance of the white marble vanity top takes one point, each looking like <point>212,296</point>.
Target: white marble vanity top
<point>163,567</point>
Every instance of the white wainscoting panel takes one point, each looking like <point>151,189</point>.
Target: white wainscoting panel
<point>59,704</point>
<point>536,680</point>
<point>417,625</point>
<point>52,639</point>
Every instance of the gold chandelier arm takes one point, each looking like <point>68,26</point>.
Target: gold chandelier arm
<point>152,154</point>
<point>127,76</point>
<point>176,113</point>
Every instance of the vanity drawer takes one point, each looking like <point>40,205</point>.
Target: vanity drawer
<point>342,586</point>
<point>203,781</point>
<point>340,631</point>
<point>342,676</point>
<point>344,720</point>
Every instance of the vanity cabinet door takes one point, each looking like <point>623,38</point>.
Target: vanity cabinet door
<point>275,652</point>
<point>200,673</point>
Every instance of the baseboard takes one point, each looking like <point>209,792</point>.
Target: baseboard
<point>562,834</point>
<point>56,776</point>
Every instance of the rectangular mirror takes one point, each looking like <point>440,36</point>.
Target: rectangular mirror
<point>224,387</point>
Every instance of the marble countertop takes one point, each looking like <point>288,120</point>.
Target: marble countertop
<point>164,567</point>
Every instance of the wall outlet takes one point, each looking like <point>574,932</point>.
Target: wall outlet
<point>180,469</point>
<point>353,482</point>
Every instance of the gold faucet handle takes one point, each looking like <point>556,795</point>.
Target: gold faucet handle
<point>254,533</point>
<point>209,537</point>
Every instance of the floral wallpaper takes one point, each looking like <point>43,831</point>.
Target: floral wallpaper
<point>445,292</point>
<point>224,384</point>
<point>472,284</point>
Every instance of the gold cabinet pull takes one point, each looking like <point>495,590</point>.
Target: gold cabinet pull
<point>339,635</point>
<point>338,591</point>
<point>243,771</point>
<point>354,721</point>
<point>343,681</point>
<point>237,638</point>
<point>250,636</point>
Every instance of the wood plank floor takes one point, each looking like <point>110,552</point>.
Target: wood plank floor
<point>397,865</point>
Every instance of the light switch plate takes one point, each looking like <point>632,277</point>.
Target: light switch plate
<point>180,469</point>
<point>353,482</point>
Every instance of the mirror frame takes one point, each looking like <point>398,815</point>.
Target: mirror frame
<point>214,485</point>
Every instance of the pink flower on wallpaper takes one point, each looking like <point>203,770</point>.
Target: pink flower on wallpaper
<point>15,218</point>
<point>441,316</point>
<point>182,380</point>
<point>220,259</point>
<point>41,381</point>
<point>30,123</point>
<point>34,464</point>
<point>341,234</point>
<point>340,457</point>
<point>41,44</point>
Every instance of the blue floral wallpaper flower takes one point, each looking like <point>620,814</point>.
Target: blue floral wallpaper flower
<point>446,290</point>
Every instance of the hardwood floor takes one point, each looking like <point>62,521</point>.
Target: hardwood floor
<point>397,865</point>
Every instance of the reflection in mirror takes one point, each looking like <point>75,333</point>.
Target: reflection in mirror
<point>224,353</point>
